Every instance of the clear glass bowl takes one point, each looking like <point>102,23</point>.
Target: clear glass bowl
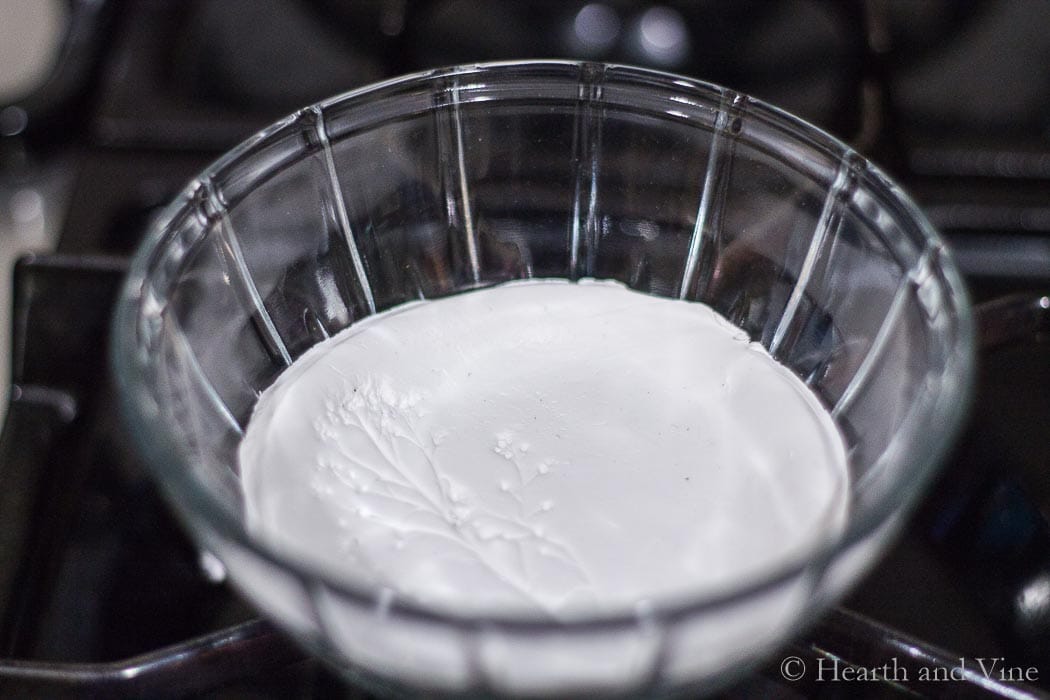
<point>456,179</point>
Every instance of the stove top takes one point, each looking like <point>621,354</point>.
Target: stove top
<point>101,593</point>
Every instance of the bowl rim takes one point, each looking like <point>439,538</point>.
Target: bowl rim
<point>938,414</point>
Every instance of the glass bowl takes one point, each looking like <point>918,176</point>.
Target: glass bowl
<point>461,178</point>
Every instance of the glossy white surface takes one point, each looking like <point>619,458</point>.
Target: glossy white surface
<point>545,446</point>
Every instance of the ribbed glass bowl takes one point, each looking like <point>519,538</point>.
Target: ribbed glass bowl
<point>462,178</point>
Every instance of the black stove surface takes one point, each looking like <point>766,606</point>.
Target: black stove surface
<point>101,593</point>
